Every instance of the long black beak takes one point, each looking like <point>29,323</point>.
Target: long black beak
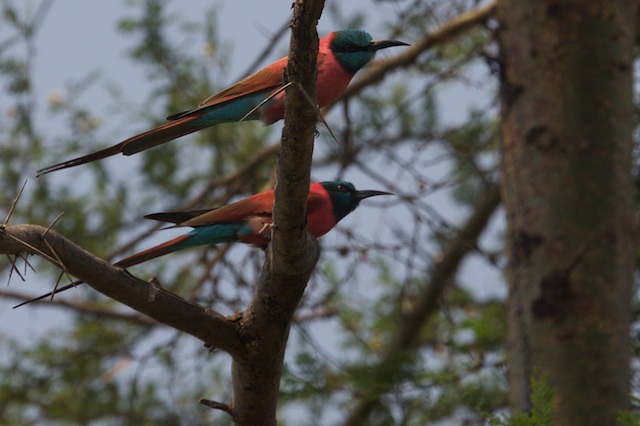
<point>383,44</point>
<point>361,195</point>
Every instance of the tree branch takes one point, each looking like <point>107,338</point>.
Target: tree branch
<point>293,253</point>
<point>163,306</point>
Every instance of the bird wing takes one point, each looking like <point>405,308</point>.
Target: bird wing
<point>268,78</point>
<point>177,216</point>
<point>257,205</point>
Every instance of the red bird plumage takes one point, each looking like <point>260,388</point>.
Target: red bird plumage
<point>247,221</point>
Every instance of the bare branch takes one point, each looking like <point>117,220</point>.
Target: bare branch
<point>14,267</point>
<point>163,306</point>
<point>292,254</point>
<point>14,203</point>
<point>216,406</point>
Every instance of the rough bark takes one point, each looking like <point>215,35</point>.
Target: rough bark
<point>567,140</point>
<point>256,338</point>
<point>214,329</point>
<point>293,253</point>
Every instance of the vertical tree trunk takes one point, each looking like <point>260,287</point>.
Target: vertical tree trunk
<point>567,140</point>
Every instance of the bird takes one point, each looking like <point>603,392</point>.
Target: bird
<point>259,96</point>
<point>248,221</point>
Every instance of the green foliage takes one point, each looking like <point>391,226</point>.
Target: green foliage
<point>474,148</point>
<point>541,406</point>
<point>101,370</point>
<point>467,374</point>
<point>70,377</point>
<point>628,418</point>
<point>393,135</point>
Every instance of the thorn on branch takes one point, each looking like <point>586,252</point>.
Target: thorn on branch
<point>25,257</point>
<point>217,406</point>
<point>273,95</point>
<point>34,249</point>
<point>64,269</point>
<point>13,204</point>
<point>154,280</point>
<point>51,225</point>
<point>210,348</point>
<point>55,287</point>
<point>319,115</point>
<point>155,286</point>
<point>14,267</point>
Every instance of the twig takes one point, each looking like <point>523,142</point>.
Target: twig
<point>14,267</point>
<point>216,406</point>
<point>315,105</point>
<point>14,203</point>
<point>34,249</point>
<point>271,96</point>
<point>203,323</point>
<point>52,224</point>
<point>64,269</point>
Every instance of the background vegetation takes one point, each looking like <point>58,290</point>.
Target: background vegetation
<point>405,318</point>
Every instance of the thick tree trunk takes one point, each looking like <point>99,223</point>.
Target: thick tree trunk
<point>567,141</point>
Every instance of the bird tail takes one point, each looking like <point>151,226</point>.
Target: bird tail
<point>159,135</point>
<point>135,144</point>
<point>99,155</point>
<point>143,256</point>
<point>157,251</point>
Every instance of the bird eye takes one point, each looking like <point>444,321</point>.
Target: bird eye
<point>342,188</point>
<point>350,47</point>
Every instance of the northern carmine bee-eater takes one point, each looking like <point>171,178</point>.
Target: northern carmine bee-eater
<point>247,221</point>
<point>341,54</point>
